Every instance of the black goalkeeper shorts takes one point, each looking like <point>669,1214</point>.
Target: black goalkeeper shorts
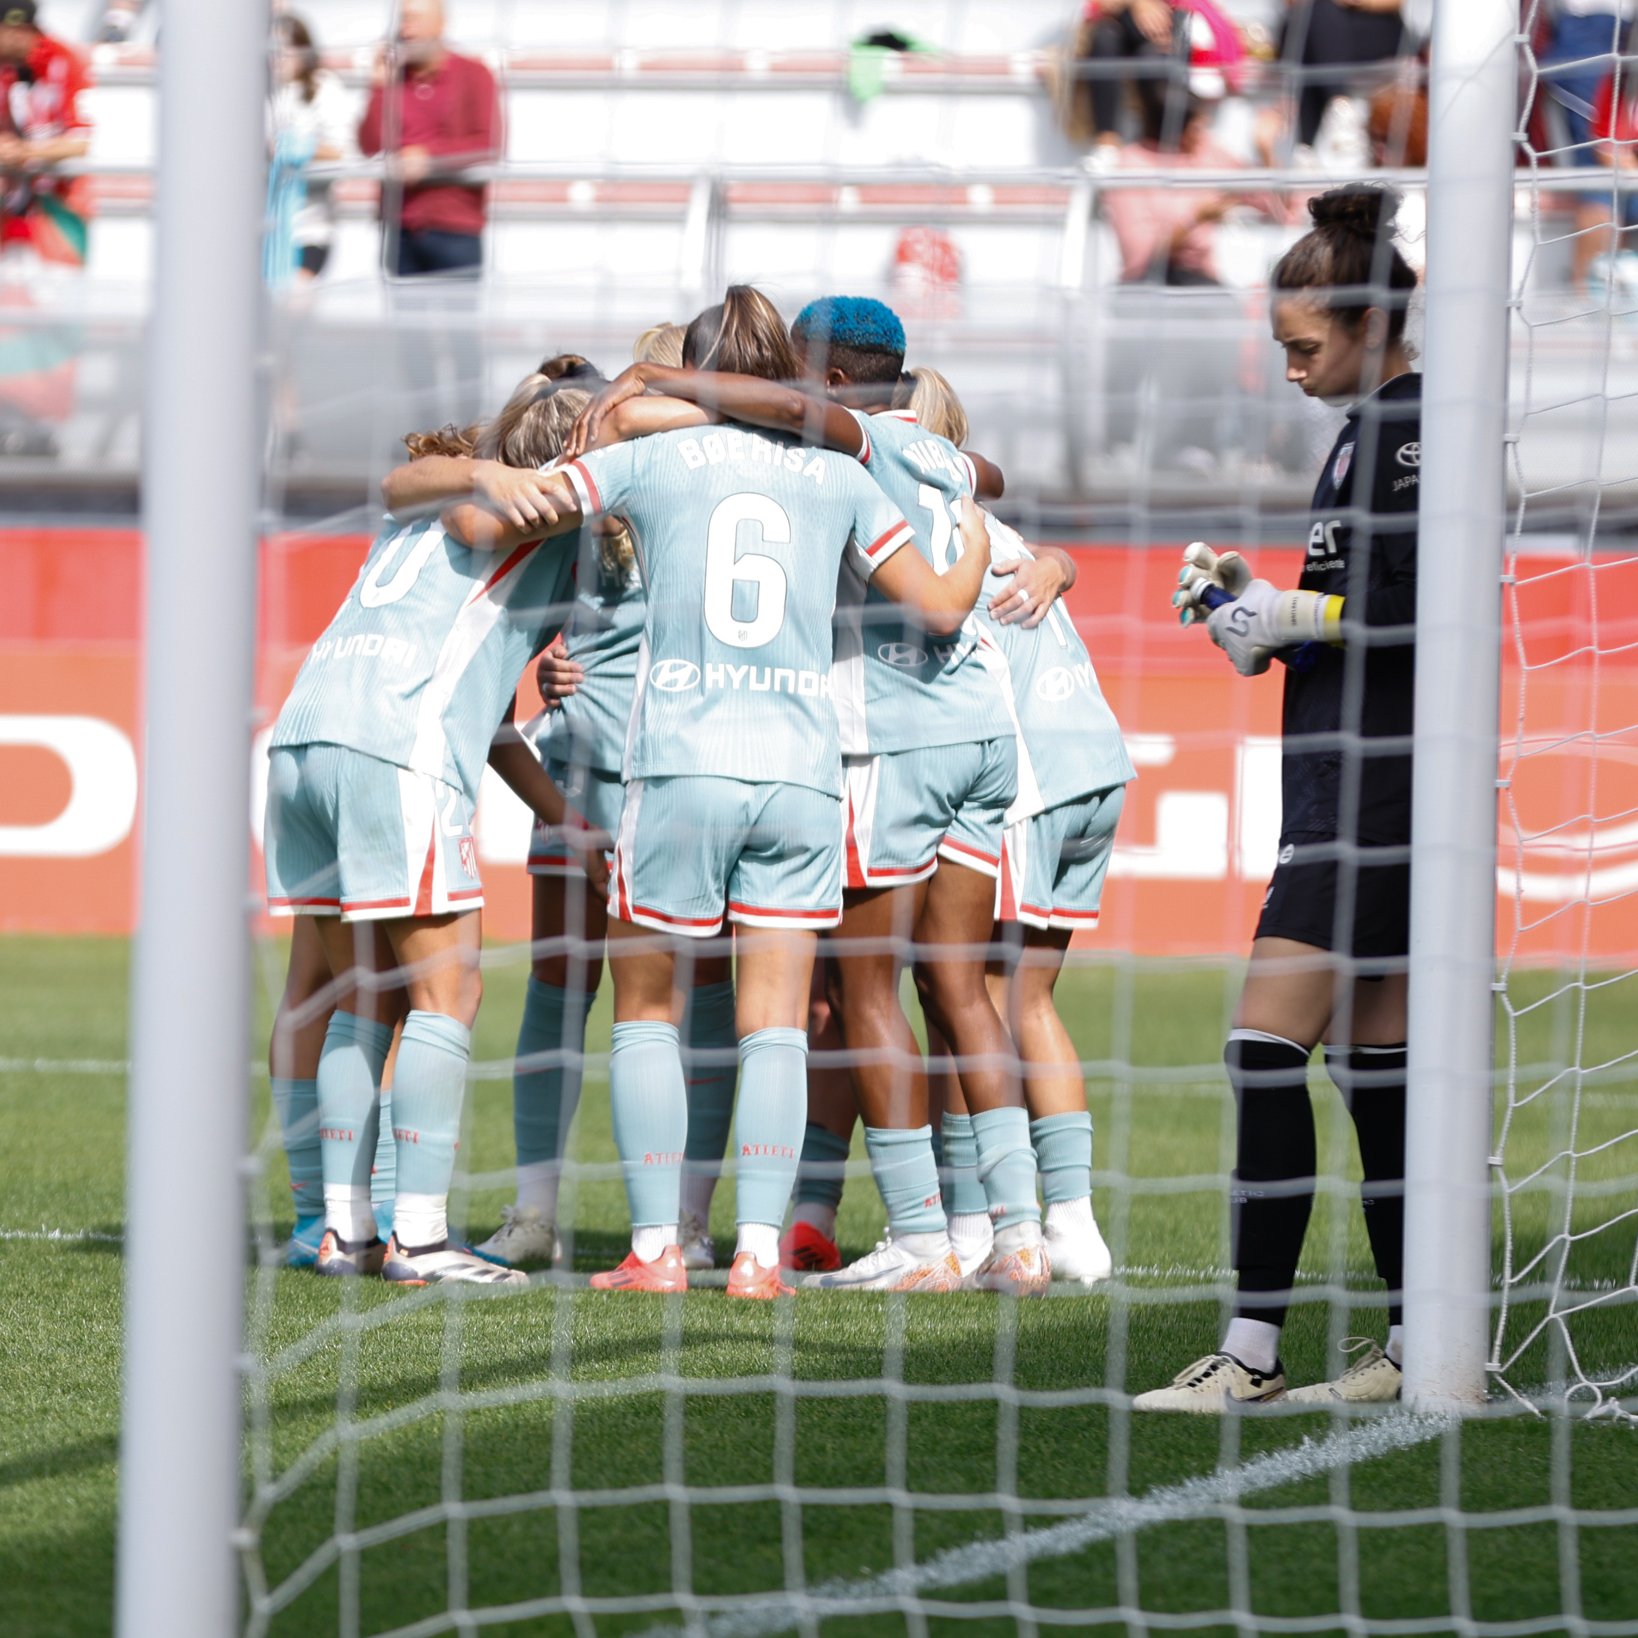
<point>1354,906</point>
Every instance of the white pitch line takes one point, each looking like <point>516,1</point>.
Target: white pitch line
<point>64,1066</point>
<point>1120,1516</point>
<point>62,1236</point>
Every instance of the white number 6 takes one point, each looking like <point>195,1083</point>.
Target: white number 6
<point>726,568</point>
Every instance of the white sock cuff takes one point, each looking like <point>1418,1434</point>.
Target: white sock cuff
<point>1263,1036</point>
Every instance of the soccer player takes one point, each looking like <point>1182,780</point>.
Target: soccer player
<point>1328,960</point>
<point>734,785</point>
<point>589,674</point>
<point>372,785</point>
<point>931,776</point>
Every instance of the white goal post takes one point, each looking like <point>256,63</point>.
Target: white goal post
<point>1472,116</point>
<point>179,1493</point>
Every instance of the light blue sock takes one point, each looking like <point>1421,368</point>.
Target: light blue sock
<point>819,1179</point>
<point>296,1103</point>
<point>384,1170</point>
<point>428,1088</point>
<point>711,1069</point>
<point>546,1095</point>
<point>649,1106</point>
<point>1006,1166</point>
<point>907,1176</point>
<point>1063,1155</point>
<point>349,1103</point>
<point>964,1194</point>
<point>773,1112</point>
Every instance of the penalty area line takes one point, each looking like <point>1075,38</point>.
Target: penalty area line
<point>1107,1521</point>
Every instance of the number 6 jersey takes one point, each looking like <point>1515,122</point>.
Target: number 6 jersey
<point>741,536</point>
<point>421,662</point>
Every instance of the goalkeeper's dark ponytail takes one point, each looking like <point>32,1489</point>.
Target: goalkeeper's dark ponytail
<point>1349,262</point>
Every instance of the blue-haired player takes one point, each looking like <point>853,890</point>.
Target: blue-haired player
<point>931,776</point>
<point>372,785</point>
<point>733,799</point>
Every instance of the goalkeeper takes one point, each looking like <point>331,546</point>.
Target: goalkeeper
<point>1329,957</point>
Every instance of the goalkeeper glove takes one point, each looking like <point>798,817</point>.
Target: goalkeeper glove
<point>1262,619</point>
<point>1202,567</point>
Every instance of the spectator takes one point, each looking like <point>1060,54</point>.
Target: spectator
<point>1167,233</point>
<point>1397,128</point>
<point>1164,41</point>
<point>434,114</point>
<point>1615,131</point>
<point>1576,67</point>
<point>311,124</point>
<point>1326,42</point>
<point>44,215</point>
<point>119,21</point>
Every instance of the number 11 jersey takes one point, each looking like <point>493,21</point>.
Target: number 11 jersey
<point>741,536</point>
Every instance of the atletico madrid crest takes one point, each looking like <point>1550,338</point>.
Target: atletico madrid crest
<point>1339,467</point>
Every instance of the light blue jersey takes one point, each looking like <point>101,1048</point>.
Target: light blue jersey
<point>1069,743</point>
<point>898,687</point>
<point>603,636</point>
<point>421,662</point>
<point>742,536</point>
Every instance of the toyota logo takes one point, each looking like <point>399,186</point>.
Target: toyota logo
<point>1409,455</point>
<point>904,655</point>
<point>1056,685</point>
<point>673,676</point>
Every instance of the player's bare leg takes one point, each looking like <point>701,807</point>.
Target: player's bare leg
<point>891,1084</point>
<point>952,939</point>
<point>1060,1123</point>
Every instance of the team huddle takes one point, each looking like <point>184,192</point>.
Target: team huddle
<point>812,715</point>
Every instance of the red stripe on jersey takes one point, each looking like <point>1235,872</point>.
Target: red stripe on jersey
<point>302,904</point>
<point>677,921</point>
<point>971,852</point>
<point>876,875</point>
<point>864,454</point>
<point>465,893</point>
<point>514,558</point>
<point>1007,903</point>
<point>590,483</point>
<point>787,915</point>
<point>1088,916</point>
<point>423,896</point>
<point>896,536</point>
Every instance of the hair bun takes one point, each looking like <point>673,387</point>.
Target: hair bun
<point>1366,209</point>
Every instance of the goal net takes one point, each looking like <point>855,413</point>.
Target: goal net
<point>559,1459</point>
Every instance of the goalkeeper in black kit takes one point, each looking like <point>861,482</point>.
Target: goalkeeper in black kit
<point>1328,962</point>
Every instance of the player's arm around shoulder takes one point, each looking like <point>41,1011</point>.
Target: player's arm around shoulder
<point>940,601</point>
<point>436,481</point>
<point>475,524</point>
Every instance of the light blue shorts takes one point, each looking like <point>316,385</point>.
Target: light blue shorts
<point>1054,865</point>
<point>908,809</point>
<point>353,836</point>
<point>691,848</point>
<point>596,795</point>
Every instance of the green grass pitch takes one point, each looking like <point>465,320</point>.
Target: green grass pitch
<point>883,1480</point>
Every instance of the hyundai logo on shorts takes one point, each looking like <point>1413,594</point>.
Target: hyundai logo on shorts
<point>1055,686</point>
<point>904,655</point>
<point>673,676</point>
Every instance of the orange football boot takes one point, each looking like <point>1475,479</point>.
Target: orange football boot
<point>665,1274</point>
<point>748,1278</point>
<point>803,1247</point>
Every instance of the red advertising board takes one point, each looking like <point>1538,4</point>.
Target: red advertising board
<point>1197,838</point>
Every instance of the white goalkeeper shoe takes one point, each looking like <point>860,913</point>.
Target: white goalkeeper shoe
<point>1372,1379</point>
<point>917,1262</point>
<point>523,1237</point>
<point>1075,1246</point>
<point>1214,1385</point>
<point>699,1250</point>
<point>445,1264</point>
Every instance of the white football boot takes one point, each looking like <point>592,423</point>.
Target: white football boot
<point>917,1262</point>
<point>1213,1385</point>
<point>446,1264</point>
<point>699,1250</point>
<point>1372,1379</point>
<point>523,1237</point>
<point>972,1237</point>
<point>1017,1264</point>
<point>1075,1247</point>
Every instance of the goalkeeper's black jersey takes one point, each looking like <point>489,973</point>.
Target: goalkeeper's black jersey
<point>1361,546</point>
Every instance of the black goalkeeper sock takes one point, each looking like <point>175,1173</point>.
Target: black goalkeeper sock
<point>1372,1083</point>
<point>1273,1191</point>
